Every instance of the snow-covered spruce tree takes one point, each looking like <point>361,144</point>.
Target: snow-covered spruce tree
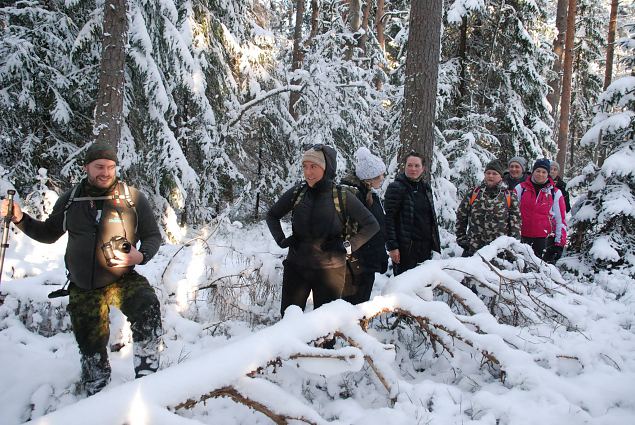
<point>504,58</point>
<point>604,218</point>
<point>178,79</point>
<point>45,103</point>
<point>340,103</point>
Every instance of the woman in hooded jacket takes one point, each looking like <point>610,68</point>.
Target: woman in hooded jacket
<point>371,258</point>
<point>317,249</point>
<point>412,232</point>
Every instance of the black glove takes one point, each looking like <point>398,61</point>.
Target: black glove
<point>334,245</point>
<point>287,242</point>
<point>553,253</point>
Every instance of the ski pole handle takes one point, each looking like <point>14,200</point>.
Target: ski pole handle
<point>9,216</point>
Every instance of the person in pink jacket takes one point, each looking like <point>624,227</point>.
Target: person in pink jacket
<point>542,209</point>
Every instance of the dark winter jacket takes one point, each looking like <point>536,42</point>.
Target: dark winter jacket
<point>317,236</point>
<point>560,184</point>
<point>512,182</point>
<point>372,255</point>
<point>410,214</point>
<point>484,215</point>
<point>87,231</point>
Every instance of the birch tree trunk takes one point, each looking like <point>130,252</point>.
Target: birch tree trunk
<point>565,101</point>
<point>420,88</point>
<point>109,105</point>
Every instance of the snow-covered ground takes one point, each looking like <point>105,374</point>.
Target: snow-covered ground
<point>570,360</point>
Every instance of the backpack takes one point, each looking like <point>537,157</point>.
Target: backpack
<point>340,194</point>
<point>477,191</point>
<point>116,196</point>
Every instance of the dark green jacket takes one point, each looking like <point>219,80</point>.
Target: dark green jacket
<point>84,258</point>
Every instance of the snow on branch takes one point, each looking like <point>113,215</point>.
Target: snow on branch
<point>517,292</point>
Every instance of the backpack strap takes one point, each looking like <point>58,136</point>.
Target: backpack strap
<point>116,197</point>
<point>298,193</point>
<point>477,190</point>
<point>128,197</point>
<point>339,200</point>
<point>71,198</point>
<point>475,193</point>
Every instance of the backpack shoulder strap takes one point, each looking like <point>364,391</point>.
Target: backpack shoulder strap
<point>298,193</point>
<point>339,200</point>
<point>475,193</point>
<point>70,200</point>
<point>127,196</point>
<point>128,199</point>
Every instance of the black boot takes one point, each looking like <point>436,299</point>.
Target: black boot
<point>146,357</point>
<point>95,373</point>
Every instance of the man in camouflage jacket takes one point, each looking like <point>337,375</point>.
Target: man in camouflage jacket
<point>487,212</point>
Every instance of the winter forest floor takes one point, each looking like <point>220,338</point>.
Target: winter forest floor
<point>535,347</point>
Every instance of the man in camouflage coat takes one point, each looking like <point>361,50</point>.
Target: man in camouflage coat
<point>487,212</point>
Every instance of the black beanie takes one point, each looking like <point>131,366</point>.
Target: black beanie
<point>497,166</point>
<point>542,163</point>
<point>100,151</point>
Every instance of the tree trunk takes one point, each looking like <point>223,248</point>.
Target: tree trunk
<point>381,40</point>
<point>354,18</point>
<point>420,87</point>
<point>565,102</point>
<point>365,18</point>
<point>109,105</point>
<point>380,25</point>
<point>315,14</point>
<point>558,49</point>
<point>610,46</point>
<point>298,56</point>
<point>462,54</point>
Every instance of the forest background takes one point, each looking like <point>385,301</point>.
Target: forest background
<point>222,96</point>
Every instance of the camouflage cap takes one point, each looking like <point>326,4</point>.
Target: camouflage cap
<point>496,165</point>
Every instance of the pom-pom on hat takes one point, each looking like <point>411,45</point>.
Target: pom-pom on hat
<point>520,160</point>
<point>542,163</point>
<point>367,165</point>
<point>315,156</point>
<point>100,151</point>
<point>496,165</point>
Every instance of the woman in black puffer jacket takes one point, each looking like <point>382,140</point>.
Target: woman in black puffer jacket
<point>371,258</point>
<point>412,232</point>
<point>317,250</point>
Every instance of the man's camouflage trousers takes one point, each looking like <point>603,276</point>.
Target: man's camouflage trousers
<point>133,295</point>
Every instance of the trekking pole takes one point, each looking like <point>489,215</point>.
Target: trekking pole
<point>6,223</point>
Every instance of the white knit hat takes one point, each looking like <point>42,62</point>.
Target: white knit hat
<point>367,165</point>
